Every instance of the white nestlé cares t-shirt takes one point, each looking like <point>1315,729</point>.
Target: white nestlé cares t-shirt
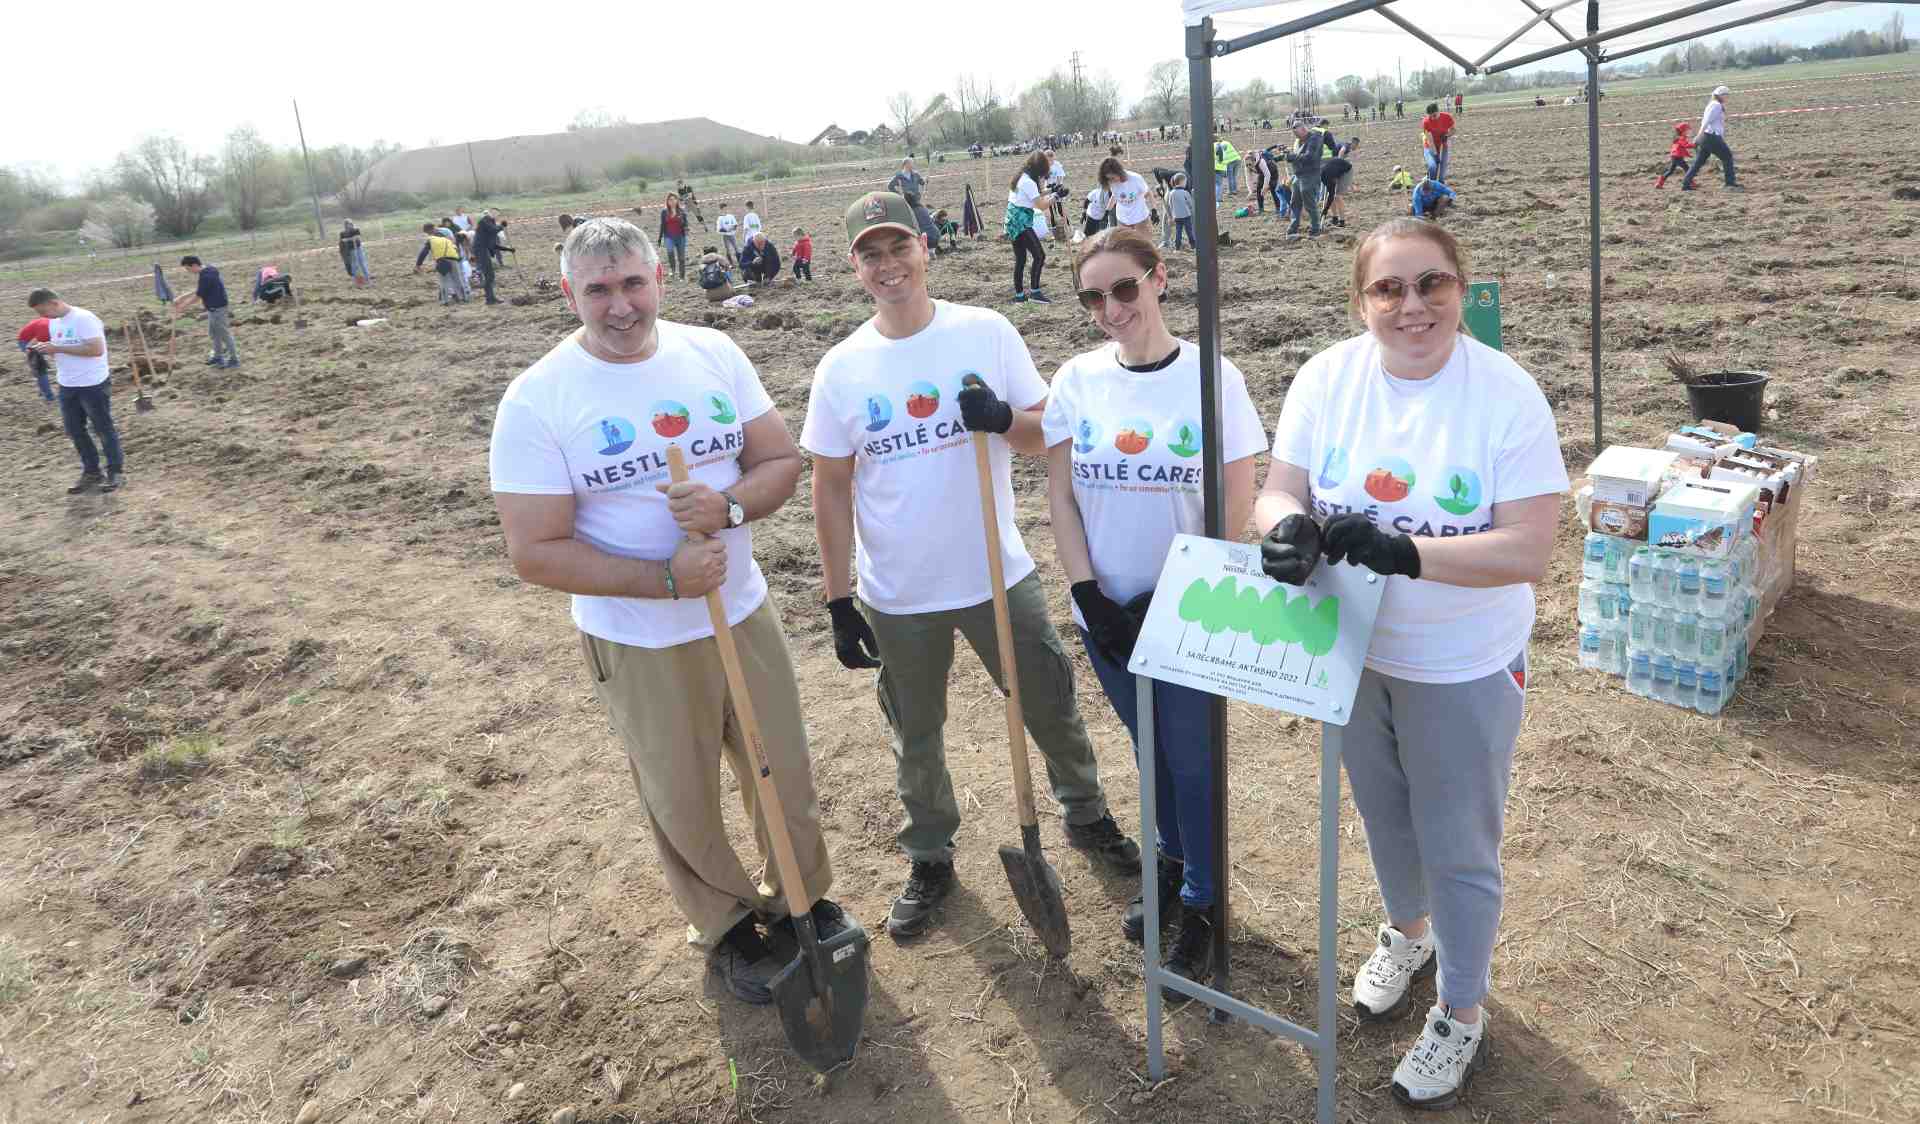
<point>1136,457</point>
<point>78,326</point>
<point>892,406</point>
<point>572,424</point>
<point>726,223</point>
<point>1130,199</point>
<point>1426,457</point>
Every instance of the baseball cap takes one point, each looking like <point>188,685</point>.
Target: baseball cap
<point>877,210</point>
<point>1721,91</point>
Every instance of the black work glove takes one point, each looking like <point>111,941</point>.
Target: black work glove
<point>1113,630</point>
<point>1291,550</point>
<point>982,411</point>
<point>853,639</point>
<point>1353,536</point>
<point>1137,609</point>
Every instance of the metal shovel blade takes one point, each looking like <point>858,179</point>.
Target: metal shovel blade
<point>822,994</point>
<point>143,404</point>
<point>1036,887</point>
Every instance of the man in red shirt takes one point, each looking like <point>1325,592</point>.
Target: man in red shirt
<point>1436,135</point>
<point>37,331</point>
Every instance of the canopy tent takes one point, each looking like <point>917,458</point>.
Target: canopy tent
<point>1480,38</point>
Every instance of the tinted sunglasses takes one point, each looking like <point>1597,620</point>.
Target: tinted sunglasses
<point>1436,286</point>
<point>1126,292</point>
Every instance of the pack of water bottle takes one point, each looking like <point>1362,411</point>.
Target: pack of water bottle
<point>1673,624</point>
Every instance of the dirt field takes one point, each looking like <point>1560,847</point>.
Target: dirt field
<point>287,752</point>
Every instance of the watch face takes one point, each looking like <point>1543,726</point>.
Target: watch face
<point>736,514</point>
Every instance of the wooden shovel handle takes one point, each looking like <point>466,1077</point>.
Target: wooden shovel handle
<point>771,810</point>
<point>1003,633</point>
<point>133,326</point>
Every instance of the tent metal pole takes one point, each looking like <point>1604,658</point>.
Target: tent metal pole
<point>1616,56</point>
<point>1538,15</point>
<point>1595,37</point>
<point>1407,26</point>
<point>1224,47</point>
<point>1547,14</point>
<point>1200,50</point>
<point>1593,210</point>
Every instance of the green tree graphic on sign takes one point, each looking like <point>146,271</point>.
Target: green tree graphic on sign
<point>1193,605</point>
<point>1274,623</point>
<point>1222,605</point>
<point>1322,629</point>
<point>1246,615</point>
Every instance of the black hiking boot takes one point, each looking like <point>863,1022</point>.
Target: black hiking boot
<point>743,961</point>
<point>1133,923</point>
<point>1103,838</point>
<point>113,481</point>
<point>1192,955</point>
<point>88,482</point>
<point>828,920</point>
<point>927,885</point>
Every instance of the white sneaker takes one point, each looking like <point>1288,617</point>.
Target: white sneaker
<point>1380,986</point>
<point>1442,1063</point>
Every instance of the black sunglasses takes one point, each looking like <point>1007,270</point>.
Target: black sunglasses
<point>1126,292</point>
<point>1434,287</point>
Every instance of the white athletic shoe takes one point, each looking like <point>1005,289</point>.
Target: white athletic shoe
<point>1442,1063</point>
<point>1381,985</point>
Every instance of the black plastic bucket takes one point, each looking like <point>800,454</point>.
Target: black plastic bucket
<point>1733,397</point>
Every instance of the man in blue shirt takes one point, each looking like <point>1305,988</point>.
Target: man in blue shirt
<point>211,292</point>
<point>1429,195</point>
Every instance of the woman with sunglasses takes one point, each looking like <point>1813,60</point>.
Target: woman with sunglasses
<point>1026,196</point>
<point>1123,477</point>
<point>1420,453</point>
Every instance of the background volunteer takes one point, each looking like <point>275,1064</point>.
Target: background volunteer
<point>1132,206</point>
<point>211,292</point>
<point>1432,459</point>
<point>1713,140</point>
<point>1124,477</point>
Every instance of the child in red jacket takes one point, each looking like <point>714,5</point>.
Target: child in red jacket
<point>1679,154</point>
<point>802,254</point>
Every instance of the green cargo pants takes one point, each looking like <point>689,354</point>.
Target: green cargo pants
<point>916,651</point>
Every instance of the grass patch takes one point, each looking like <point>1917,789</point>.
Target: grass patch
<point>16,972</point>
<point>179,757</point>
<point>289,833</point>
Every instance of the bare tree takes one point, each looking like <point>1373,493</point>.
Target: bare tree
<point>350,172</point>
<point>177,183</point>
<point>903,111</point>
<point>248,166</point>
<point>120,221</point>
<point>1167,89</point>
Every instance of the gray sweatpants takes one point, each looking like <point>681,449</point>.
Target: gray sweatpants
<point>1429,764</point>
<point>218,329</point>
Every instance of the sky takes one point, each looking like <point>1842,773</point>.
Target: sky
<point>786,68</point>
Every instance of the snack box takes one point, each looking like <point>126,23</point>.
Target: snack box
<point>1628,476</point>
<point>1704,517</point>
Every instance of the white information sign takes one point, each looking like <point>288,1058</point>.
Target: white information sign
<point>1220,625</point>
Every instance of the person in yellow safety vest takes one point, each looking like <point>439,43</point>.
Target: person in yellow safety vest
<point>1401,181</point>
<point>446,263</point>
<point>1233,166</point>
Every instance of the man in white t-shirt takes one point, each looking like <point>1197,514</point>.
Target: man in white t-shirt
<point>1713,141</point>
<point>77,343</point>
<point>750,225</point>
<point>579,465</point>
<point>890,422</point>
<point>727,226</point>
<point>460,219</point>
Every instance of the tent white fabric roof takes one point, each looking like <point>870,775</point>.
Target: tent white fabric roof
<point>1484,35</point>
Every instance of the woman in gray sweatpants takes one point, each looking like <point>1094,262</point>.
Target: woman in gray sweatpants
<point>1418,452</point>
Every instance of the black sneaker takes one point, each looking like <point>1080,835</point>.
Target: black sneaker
<point>913,909</point>
<point>1192,950</point>
<point>745,963</point>
<point>113,481</point>
<point>1104,839</point>
<point>88,482</point>
<point>1038,297</point>
<point>1133,923</point>
<point>828,920</point>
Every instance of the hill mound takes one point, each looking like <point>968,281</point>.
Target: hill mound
<point>540,160</point>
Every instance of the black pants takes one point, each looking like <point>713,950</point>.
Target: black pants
<point>1027,245</point>
<point>760,273</point>
<point>1711,144</point>
<point>484,264</point>
<point>1674,164</point>
<point>802,268</point>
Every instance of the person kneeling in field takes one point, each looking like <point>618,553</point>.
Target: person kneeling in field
<point>579,467</point>
<point>1431,197</point>
<point>759,259</point>
<point>716,280</point>
<point>890,421</point>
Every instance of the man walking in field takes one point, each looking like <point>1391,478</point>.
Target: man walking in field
<point>579,465</point>
<point>1713,141</point>
<point>889,423</point>
<point>77,343</point>
<point>211,292</point>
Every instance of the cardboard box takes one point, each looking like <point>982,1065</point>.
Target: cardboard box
<point>1703,517</point>
<point>1628,476</point>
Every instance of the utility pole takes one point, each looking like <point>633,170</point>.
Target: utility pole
<point>475,169</point>
<point>1399,81</point>
<point>1307,79</point>
<point>318,223</point>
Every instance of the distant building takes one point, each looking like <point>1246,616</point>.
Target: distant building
<point>829,137</point>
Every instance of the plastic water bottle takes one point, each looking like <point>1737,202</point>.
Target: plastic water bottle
<point>1662,631</point>
<point>1740,658</point>
<point>1686,636</point>
<point>1663,683</point>
<point>1710,696</point>
<point>1590,600</point>
<point>1618,550</point>
<point>1686,683</point>
<point>1611,597</point>
<point>1714,590</point>
<point>1665,569</point>
<point>1593,557</point>
<point>1640,625</point>
<point>1590,646</point>
<point>1686,584</point>
<point>1607,658</point>
<point>1713,640</point>
<point>1640,573</point>
<point>1640,674</point>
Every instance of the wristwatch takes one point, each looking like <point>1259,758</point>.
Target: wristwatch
<point>736,514</point>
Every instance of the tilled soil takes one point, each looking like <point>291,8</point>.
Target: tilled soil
<point>307,800</point>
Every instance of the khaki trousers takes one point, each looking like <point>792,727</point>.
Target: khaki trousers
<point>672,708</point>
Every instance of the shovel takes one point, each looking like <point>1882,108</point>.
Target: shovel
<point>141,403</point>
<point>1036,887</point>
<point>822,995</point>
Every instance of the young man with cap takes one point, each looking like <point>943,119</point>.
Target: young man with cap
<point>211,292</point>
<point>1713,141</point>
<point>77,342</point>
<point>890,422</point>
<point>580,476</point>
